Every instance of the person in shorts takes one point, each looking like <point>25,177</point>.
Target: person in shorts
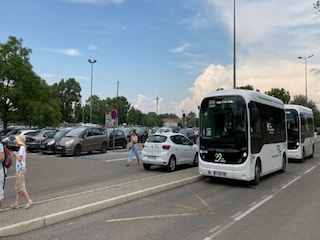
<point>20,186</point>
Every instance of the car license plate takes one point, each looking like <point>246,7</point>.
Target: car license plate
<point>219,174</point>
<point>152,157</point>
<point>59,148</point>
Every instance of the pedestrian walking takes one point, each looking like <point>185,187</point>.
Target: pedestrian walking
<point>20,186</point>
<point>133,148</point>
<point>2,174</point>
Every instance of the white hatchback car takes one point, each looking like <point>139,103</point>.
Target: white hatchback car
<point>169,150</point>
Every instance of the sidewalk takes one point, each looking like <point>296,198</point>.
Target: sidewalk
<point>45,213</point>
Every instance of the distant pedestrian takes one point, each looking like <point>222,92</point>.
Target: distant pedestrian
<point>133,148</point>
<point>21,169</point>
<point>2,174</point>
<point>149,132</point>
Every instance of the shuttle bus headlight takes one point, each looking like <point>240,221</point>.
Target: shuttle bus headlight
<point>203,153</point>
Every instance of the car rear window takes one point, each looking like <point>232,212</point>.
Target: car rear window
<point>157,138</point>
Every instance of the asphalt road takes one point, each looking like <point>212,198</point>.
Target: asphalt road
<point>51,176</point>
<point>284,206</point>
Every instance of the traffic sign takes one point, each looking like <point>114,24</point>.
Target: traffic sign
<point>114,114</point>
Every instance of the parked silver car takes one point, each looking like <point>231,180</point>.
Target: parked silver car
<point>83,139</point>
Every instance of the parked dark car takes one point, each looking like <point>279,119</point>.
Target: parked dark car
<point>120,138</point>
<point>83,139</point>
<point>33,140</point>
<point>189,132</point>
<point>142,134</point>
<point>49,145</point>
<point>128,132</point>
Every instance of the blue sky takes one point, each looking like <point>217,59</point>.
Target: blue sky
<point>176,50</point>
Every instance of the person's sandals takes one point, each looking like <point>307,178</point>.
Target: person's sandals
<point>14,206</point>
<point>28,205</point>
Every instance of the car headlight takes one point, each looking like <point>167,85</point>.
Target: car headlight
<point>69,143</point>
<point>51,142</point>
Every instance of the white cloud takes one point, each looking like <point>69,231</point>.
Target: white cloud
<point>270,36</point>
<point>147,104</point>
<point>182,48</point>
<point>67,52</point>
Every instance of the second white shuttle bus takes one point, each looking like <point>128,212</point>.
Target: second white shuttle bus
<point>300,127</point>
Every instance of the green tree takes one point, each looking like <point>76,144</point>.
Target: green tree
<point>192,120</point>
<point>134,116</point>
<point>68,93</point>
<point>279,93</point>
<point>25,97</point>
<point>120,104</point>
<point>14,68</point>
<point>42,109</point>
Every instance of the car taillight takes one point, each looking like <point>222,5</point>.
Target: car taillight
<point>166,147</point>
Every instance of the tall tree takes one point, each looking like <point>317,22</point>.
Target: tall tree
<point>134,117</point>
<point>14,68</point>
<point>24,97</point>
<point>121,105</point>
<point>279,93</point>
<point>192,120</point>
<point>68,93</point>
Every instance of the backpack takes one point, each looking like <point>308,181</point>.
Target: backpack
<point>7,157</point>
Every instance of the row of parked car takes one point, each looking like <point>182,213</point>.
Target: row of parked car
<point>165,147</point>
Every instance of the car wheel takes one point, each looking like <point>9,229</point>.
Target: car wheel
<point>171,164</point>
<point>124,145</point>
<point>104,147</point>
<point>196,160</point>
<point>77,150</point>
<point>146,166</point>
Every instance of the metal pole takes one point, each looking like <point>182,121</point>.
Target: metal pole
<point>305,74</point>
<point>91,62</point>
<point>234,44</point>
<point>117,101</point>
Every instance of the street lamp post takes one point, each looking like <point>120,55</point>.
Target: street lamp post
<point>305,73</point>
<point>234,44</point>
<point>91,62</point>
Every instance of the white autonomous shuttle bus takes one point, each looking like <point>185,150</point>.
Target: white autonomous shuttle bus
<point>300,127</point>
<point>242,135</point>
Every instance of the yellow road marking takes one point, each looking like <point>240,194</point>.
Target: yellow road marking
<point>175,204</point>
<point>204,203</point>
<point>151,217</point>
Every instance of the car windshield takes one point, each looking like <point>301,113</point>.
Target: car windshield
<point>34,133</point>
<point>76,132</point>
<point>61,133</point>
<point>157,139</point>
<point>184,131</point>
